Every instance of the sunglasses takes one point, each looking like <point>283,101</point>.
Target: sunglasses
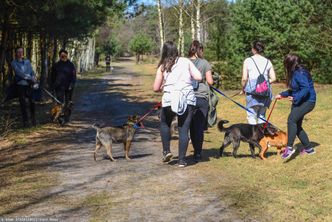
<point>63,56</point>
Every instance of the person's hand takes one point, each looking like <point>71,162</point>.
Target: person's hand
<point>71,87</point>
<point>242,92</point>
<point>290,98</point>
<point>27,77</point>
<point>279,96</point>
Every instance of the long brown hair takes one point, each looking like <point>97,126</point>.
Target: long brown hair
<point>169,56</point>
<point>196,48</point>
<point>291,63</point>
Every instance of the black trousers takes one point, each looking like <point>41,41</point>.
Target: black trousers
<point>166,117</point>
<point>294,124</point>
<point>63,95</point>
<point>199,124</point>
<point>24,94</point>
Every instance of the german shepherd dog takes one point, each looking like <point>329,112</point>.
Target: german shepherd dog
<point>60,113</point>
<point>251,134</point>
<point>118,134</point>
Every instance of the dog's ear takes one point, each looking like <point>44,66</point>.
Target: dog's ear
<point>271,130</point>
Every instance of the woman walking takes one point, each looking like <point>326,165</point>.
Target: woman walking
<point>201,89</point>
<point>257,75</point>
<point>174,76</point>
<point>302,94</point>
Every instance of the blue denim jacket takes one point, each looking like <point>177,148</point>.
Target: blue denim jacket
<point>23,71</point>
<point>301,88</point>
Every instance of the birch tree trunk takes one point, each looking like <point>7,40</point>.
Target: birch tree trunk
<point>161,25</point>
<point>181,35</point>
<point>192,21</point>
<point>198,23</point>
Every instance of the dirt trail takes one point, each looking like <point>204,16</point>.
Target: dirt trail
<point>142,189</point>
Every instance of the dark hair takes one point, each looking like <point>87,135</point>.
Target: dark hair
<point>63,51</point>
<point>168,56</point>
<point>292,63</point>
<point>196,47</point>
<point>258,46</point>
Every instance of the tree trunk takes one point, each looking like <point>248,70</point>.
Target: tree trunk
<point>198,23</point>
<point>43,59</point>
<point>29,47</point>
<point>161,25</point>
<point>3,48</point>
<point>181,35</point>
<point>192,22</point>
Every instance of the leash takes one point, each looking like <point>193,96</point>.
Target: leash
<point>156,106</point>
<point>238,93</point>
<point>268,118</point>
<point>240,105</point>
<point>53,97</point>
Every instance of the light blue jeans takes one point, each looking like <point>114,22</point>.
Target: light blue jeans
<point>257,111</point>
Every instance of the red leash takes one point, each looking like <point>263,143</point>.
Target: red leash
<point>156,106</point>
<point>268,118</point>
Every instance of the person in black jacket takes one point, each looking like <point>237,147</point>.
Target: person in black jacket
<point>63,78</point>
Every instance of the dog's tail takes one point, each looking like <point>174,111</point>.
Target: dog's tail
<point>221,125</point>
<point>96,127</point>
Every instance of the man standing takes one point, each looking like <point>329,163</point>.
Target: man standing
<point>63,78</point>
<point>24,78</point>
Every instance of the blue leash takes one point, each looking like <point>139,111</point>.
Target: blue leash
<point>240,105</point>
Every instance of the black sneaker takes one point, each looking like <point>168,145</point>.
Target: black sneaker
<point>167,157</point>
<point>182,163</point>
<point>197,158</point>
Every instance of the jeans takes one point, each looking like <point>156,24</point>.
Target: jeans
<point>166,117</point>
<point>24,93</point>
<point>257,111</point>
<point>294,124</point>
<point>199,124</point>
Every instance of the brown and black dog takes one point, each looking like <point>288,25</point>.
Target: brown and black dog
<point>61,113</point>
<point>279,140</point>
<point>244,132</point>
<point>118,134</point>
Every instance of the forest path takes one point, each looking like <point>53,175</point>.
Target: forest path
<point>143,189</point>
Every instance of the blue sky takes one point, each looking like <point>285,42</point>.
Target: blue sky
<point>148,2</point>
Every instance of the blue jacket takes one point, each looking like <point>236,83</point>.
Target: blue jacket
<point>23,71</point>
<point>301,88</point>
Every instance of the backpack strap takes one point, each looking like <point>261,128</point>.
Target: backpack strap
<point>267,62</point>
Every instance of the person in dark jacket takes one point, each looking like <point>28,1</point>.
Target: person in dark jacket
<point>302,94</point>
<point>24,78</point>
<point>63,78</point>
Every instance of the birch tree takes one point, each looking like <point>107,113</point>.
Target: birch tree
<point>192,21</point>
<point>181,35</point>
<point>161,24</point>
<point>198,22</point>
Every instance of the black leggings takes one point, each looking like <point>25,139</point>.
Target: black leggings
<point>24,93</point>
<point>294,124</point>
<point>199,124</point>
<point>166,117</point>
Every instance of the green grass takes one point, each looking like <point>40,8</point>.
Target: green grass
<point>272,190</point>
